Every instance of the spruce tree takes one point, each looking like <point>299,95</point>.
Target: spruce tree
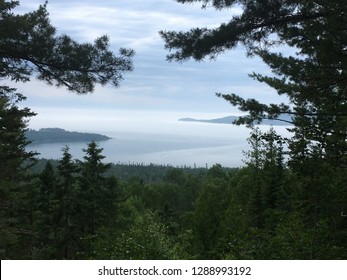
<point>15,186</point>
<point>45,219</point>
<point>93,192</point>
<point>67,207</point>
<point>13,124</point>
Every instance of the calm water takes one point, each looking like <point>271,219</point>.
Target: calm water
<point>175,143</point>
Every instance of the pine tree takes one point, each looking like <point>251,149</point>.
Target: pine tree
<point>13,124</point>
<point>314,82</point>
<point>30,45</point>
<point>15,192</point>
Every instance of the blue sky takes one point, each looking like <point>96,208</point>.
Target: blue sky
<point>155,86</point>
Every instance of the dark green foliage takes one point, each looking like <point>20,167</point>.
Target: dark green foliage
<point>207,220</point>
<point>288,202</point>
<point>302,199</point>
<point>72,203</point>
<point>45,214</point>
<point>273,207</point>
<point>38,215</point>
<point>314,79</point>
<point>58,135</point>
<point>93,190</point>
<point>13,123</point>
<point>262,211</point>
<point>67,213</point>
<point>15,182</point>
<point>29,45</point>
<point>147,173</point>
<point>253,27</point>
<point>56,211</point>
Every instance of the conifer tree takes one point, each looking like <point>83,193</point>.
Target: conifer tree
<point>93,191</point>
<point>46,226</point>
<point>67,210</point>
<point>14,181</point>
<point>13,124</point>
<point>314,79</point>
<point>314,82</point>
<point>208,214</point>
<point>29,45</point>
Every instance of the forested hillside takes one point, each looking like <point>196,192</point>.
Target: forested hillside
<point>289,201</point>
<point>148,173</point>
<point>59,135</point>
<point>93,210</point>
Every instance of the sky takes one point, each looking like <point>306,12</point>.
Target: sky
<point>156,87</point>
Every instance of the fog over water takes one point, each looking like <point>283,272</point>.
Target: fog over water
<point>156,138</point>
<point>141,116</point>
<point>159,149</point>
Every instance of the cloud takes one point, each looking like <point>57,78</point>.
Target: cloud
<point>155,84</point>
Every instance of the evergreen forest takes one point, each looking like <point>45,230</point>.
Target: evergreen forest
<point>89,209</point>
<point>288,201</point>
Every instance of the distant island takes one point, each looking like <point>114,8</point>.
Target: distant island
<point>59,135</point>
<point>230,119</point>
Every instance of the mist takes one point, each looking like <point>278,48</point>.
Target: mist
<point>151,137</point>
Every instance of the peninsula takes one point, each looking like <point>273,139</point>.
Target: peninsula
<point>59,135</point>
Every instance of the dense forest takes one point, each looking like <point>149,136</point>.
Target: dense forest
<point>59,135</point>
<point>289,201</point>
<point>89,209</point>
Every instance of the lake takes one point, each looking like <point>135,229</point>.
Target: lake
<point>170,143</point>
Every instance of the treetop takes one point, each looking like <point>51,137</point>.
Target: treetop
<point>30,45</point>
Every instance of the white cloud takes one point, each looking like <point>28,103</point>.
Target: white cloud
<point>155,84</point>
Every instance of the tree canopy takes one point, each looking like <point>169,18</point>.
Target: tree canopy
<point>253,28</point>
<point>314,79</point>
<point>29,45</point>
<point>266,210</point>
